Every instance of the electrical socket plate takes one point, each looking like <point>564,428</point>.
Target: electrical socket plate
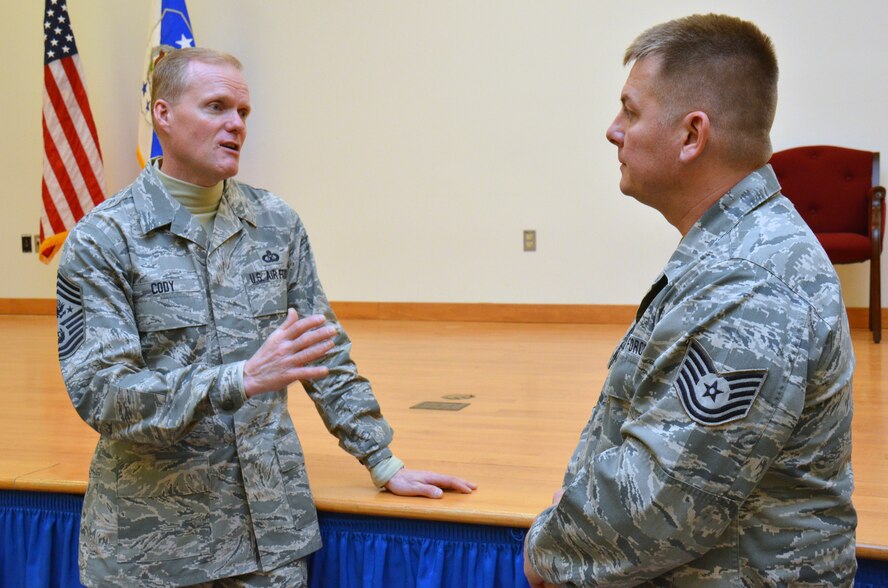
<point>530,240</point>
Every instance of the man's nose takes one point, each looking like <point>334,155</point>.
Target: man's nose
<point>614,134</point>
<point>236,122</point>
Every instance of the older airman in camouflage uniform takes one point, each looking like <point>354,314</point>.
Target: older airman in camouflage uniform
<point>719,453</point>
<point>198,474</point>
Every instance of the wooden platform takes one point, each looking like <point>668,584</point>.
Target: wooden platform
<point>529,387</point>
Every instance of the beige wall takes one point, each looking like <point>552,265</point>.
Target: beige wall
<point>418,139</point>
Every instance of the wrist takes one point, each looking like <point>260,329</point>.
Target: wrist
<point>385,470</point>
<point>227,393</point>
<point>251,384</point>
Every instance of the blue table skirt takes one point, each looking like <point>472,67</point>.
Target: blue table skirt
<point>38,549</point>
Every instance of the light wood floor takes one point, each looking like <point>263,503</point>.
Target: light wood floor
<point>530,389</point>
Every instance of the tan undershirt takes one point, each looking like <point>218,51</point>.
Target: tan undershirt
<point>201,201</point>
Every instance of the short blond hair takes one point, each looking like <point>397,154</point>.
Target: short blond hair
<point>724,66</point>
<point>170,77</point>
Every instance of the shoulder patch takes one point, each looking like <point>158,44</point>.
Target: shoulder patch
<point>69,312</point>
<point>711,397</point>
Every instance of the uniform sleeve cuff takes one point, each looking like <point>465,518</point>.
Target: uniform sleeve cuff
<point>385,470</point>
<point>228,394</point>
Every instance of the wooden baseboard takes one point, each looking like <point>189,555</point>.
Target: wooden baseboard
<point>481,312</point>
<point>423,311</point>
<point>858,318</point>
<point>464,312</point>
<point>27,306</point>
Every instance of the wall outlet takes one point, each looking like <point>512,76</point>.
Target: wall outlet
<point>27,246</point>
<point>530,240</point>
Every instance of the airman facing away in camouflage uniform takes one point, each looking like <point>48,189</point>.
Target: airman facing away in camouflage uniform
<point>719,453</point>
<point>179,304</point>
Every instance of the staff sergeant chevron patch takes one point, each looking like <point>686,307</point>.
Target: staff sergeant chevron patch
<point>711,397</point>
<point>69,312</point>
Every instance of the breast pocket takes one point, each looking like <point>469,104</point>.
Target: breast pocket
<point>265,286</point>
<point>164,508</point>
<point>625,369</point>
<point>172,300</point>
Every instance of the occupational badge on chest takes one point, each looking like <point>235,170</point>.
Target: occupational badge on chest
<point>711,397</point>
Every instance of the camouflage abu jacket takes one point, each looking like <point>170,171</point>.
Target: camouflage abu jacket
<point>719,453</point>
<point>191,481</point>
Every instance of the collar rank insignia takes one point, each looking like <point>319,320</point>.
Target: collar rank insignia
<point>711,397</point>
<point>270,257</point>
<point>69,312</point>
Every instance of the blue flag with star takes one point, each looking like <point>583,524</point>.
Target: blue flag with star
<point>170,30</point>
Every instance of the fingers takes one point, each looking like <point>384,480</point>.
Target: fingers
<point>305,356</point>
<point>292,317</point>
<point>449,482</point>
<point>428,491</point>
<point>418,488</point>
<point>429,484</point>
<point>305,340</point>
<point>309,373</point>
<point>293,327</point>
<point>284,357</point>
<point>464,486</point>
<point>295,364</point>
<point>319,336</point>
<point>309,347</point>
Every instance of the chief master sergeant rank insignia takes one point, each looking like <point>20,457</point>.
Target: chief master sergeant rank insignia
<point>69,311</point>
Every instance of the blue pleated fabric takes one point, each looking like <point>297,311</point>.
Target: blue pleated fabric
<point>871,573</point>
<point>370,552</point>
<point>38,539</point>
<point>38,549</point>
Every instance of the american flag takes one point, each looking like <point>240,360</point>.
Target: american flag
<point>73,174</point>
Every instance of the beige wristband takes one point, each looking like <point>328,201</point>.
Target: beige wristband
<point>385,470</point>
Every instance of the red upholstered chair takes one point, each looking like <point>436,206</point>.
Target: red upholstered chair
<point>837,192</point>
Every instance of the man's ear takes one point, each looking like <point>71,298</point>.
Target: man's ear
<point>161,112</point>
<point>695,127</point>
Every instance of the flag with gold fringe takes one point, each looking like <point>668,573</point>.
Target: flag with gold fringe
<point>73,172</point>
<point>170,30</point>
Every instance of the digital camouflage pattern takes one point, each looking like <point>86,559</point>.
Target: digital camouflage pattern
<point>658,496</point>
<point>191,481</point>
<point>291,575</point>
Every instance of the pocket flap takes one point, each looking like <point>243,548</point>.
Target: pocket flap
<point>173,301</point>
<point>163,474</point>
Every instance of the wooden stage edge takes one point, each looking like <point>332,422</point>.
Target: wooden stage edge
<point>581,314</point>
<point>527,390</point>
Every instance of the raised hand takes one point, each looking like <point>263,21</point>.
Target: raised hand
<point>281,359</point>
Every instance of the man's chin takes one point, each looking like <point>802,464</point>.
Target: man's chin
<point>228,171</point>
<point>626,188</point>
